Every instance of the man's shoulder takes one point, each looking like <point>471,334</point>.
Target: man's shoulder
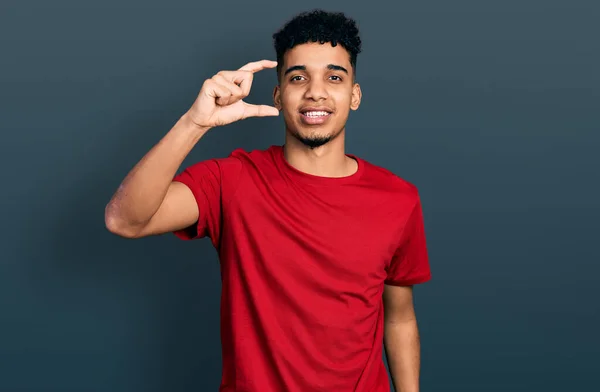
<point>230,168</point>
<point>254,159</point>
<point>253,154</point>
<point>384,178</point>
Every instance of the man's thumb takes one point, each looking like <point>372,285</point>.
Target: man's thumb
<point>259,110</point>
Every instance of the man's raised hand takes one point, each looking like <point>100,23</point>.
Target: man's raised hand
<point>220,99</point>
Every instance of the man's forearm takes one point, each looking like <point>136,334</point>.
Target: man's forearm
<point>403,352</point>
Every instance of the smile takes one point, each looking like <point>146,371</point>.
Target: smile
<point>316,114</point>
<point>314,117</point>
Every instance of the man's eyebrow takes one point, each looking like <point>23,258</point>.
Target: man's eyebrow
<point>337,68</point>
<point>295,68</point>
<point>333,67</point>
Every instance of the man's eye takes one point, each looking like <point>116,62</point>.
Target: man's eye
<point>294,78</point>
<point>337,77</point>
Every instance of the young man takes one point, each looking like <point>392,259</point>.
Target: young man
<point>315,245</point>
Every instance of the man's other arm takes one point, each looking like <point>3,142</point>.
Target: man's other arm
<point>401,338</point>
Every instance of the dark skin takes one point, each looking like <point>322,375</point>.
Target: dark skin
<point>317,75</point>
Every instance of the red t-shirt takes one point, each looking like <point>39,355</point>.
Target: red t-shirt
<point>304,260</point>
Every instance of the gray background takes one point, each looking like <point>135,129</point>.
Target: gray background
<point>490,108</point>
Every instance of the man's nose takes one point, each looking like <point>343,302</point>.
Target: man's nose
<point>316,90</point>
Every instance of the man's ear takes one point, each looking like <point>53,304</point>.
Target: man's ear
<point>277,97</point>
<point>356,97</point>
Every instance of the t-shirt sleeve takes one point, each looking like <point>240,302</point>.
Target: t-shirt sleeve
<point>410,263</point>
<point>213,183</point>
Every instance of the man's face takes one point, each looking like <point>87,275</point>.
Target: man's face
<point>316,92</point>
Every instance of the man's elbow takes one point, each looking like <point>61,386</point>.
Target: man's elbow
<point>404,322</point>
<point>118,226</point>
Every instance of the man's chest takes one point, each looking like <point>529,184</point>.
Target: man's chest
<point>347,236</point>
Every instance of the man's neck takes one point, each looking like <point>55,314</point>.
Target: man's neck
<point>329,160</point>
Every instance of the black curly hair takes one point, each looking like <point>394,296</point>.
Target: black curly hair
<point>318,26</point>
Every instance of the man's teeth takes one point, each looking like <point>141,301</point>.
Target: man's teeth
<point>316,114</point>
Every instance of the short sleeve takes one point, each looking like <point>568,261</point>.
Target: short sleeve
<point>410,263</point>
<point>212,182</point>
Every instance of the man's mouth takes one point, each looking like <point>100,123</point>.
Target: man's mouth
<point>314,117</point>
<point>316,114</point>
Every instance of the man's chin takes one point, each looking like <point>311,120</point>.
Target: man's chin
<point>313,141</point>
